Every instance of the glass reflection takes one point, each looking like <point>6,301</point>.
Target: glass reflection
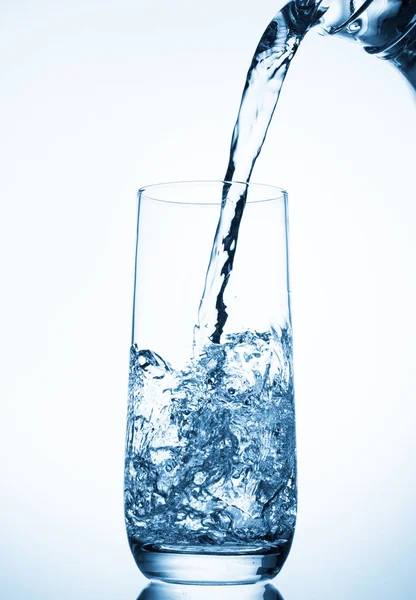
<point>170,591</point>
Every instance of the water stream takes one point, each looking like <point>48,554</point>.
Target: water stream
<point>265,77</point>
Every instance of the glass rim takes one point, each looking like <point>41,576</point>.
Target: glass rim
<point>279,193</point>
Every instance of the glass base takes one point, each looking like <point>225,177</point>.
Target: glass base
<point>205,567</point>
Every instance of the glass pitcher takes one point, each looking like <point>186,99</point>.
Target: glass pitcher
<point>386,28</point>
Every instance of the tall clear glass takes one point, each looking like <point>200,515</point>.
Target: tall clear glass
<point>210,471</point>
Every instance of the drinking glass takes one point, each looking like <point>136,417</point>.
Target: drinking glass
<point>210,470</point>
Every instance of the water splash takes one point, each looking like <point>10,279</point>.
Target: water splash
<point>211,449</point>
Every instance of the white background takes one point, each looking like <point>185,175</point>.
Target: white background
<point>100,97</point>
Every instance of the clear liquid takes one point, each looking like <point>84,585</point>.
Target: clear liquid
<point>210,456</point>
<point>211,449</point>
<point>265,78</point>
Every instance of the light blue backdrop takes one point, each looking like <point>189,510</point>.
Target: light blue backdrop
<point>100,97</point>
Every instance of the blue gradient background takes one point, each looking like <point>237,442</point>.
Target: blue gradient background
<point>100,97</point>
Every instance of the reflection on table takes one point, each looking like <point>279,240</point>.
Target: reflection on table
<point>169,591</point>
